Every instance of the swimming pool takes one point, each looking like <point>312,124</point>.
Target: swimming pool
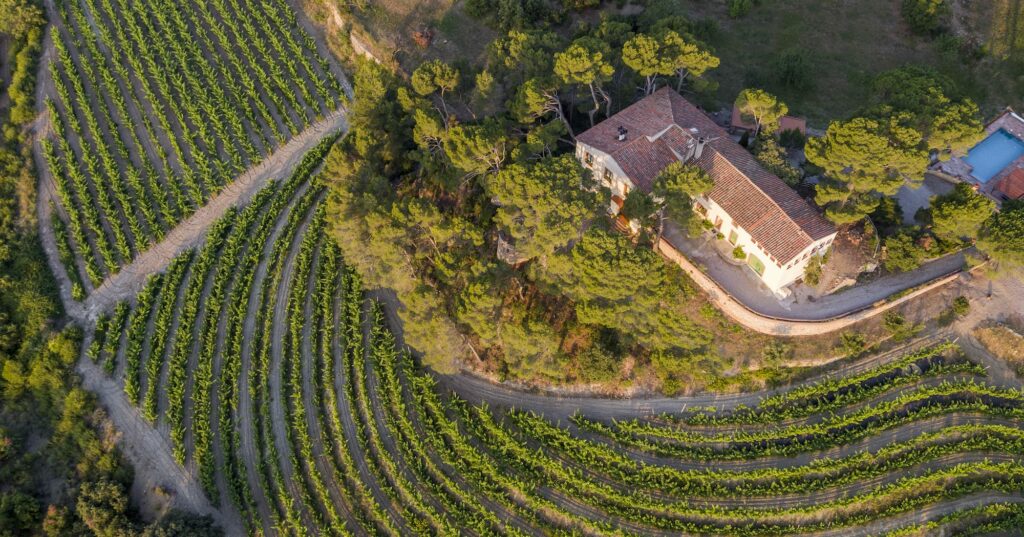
<point>994,153</point>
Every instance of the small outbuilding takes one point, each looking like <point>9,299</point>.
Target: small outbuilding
<point>786,123</point>
<point>1011,186</point>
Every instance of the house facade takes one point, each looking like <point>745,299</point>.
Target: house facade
<point>752,208</point>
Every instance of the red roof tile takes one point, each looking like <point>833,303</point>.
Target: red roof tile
<point>1013,184</point>
<point>659,131</point>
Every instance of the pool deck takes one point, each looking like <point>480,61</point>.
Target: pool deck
<point>958,168</point>
<point>1008,121</point>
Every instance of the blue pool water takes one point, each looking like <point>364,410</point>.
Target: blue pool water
<point>993,154</point>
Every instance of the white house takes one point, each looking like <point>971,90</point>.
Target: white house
<point>750,206</point>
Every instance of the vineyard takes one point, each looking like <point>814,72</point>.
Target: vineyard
<point>155,109</point>
<point>277,381</point>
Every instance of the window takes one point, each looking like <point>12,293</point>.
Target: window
<point>588,158</point>
<point>755,264</point>
<point>718,223</point>
<point>701,210</point>
<point>733,237</point>
<point>608,176</point>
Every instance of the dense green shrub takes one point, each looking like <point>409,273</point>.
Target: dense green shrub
<point>775,353</point>
<point>793,69</point>
<point>22,87</point>
<point>597,365</point>
<point>961,305</point>
<point>739,8</point>
<point>579,5</point>
<point>888,216</point>
<point>772,155</point>
<point>792,139</point>
<point>902,253</point>
<point>812,272</point>
<point>505,15</point>
<point>852,343</point>
<point>898,325</point>
<point>925,16</point>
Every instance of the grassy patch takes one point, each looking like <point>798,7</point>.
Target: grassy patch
<point>1004,343</point>
<point>836,47</point>
<point>844,45</point>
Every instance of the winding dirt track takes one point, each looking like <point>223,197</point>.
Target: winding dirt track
<point>560,407</point>
<point>148,451</point>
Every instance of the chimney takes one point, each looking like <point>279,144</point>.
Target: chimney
<point>622,133</point>
<point>699,150</point>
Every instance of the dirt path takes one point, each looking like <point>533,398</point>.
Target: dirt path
<point>561,407</point>
<point>146,449</point>
<point>47,195</point>
<point>129,281</point>
<point>320,39</point>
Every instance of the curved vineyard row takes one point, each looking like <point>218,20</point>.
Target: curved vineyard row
<point>157,106</point>
<point>283,389</point>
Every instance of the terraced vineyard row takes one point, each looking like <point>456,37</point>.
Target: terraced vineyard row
<point>157,106</point>
<point>280,385</point>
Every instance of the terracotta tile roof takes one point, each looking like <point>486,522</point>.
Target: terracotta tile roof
<point>659,131</point>
<point>1013,184</point>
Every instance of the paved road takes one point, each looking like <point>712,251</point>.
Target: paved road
<point>836,312</point>
<point>738,282</point>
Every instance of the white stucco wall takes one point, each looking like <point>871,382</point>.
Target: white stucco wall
<point>619,185</point>
<point>777,273</point>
